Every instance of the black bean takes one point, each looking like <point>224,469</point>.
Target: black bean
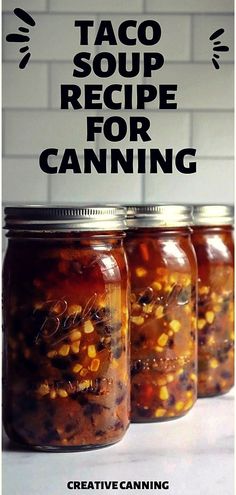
<point>202,340</point>
<point>144,413</point>
<point>120,399</point>
<point>146,297</point>
<point>100,346</point>
<point>183,377</point>
<point>136,367</point>
<point>61,363</point>
<point>118,425</point>
<point>226,374</point>
<point>171,401</point>
<point>69,427</point>
<point>100,433</point>
<point>101,314</point>
<point>50,437</point>
<point>117,352</point>
<point>92,409</point>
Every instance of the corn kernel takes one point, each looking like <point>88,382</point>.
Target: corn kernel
<point>75,308</point>
<point>161,381</point>
<point>95,364</point>
<point>148,308</point>
<point>187,309</point>
<point>209,317</point>
<point>175,325</point>
<point>159,312</point>
<point>84,372</point>
<point>216,308</point>
<point>88,327</point>
<point>189,394</point>
<point>169,378</point>
<point>51,354</point>
<point>77,368</point>
<point>137,320</point>
<point>91,351</point>
<point>75,347</point>
<point>141,272</point>
<point>85,384</point>
<point>170,333</point>
<point>211,341</point>
<point>136,308</point>
<point>203,290</point>
<point>156,286</point>
<point>173,279</point>
<point>168,288</point>
<point>159,349</point>
<point>179,405</point>
<point>193,377</point>
<point>64,350</point>
<point>75,335</point>
<point>114,363</point>
<point>43,389</point>
<point>188,405</point>
<point>164,394</point>
<point>201,323</point>
<point>53,394</point>
<point>160,412</point>
<point>186,280</point>
<point>163,339</point>
<point>214,363</point>
<point>62,393</point>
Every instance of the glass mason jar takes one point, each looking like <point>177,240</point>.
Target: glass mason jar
<point>163,270</point>
<point>66,354</point>
<point>213,242</point>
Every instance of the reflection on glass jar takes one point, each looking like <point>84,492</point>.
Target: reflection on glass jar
<point>66,363</point>
<point>213,242</point>
<point>163,312</point>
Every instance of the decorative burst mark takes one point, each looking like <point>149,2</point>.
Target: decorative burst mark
<point>22,38</point>
<point>218,47</point>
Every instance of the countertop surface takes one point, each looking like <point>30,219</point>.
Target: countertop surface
<point>194,453</point>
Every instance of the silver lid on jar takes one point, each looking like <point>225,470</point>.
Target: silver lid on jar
<point>213,214</point>
<point>162,215</point>
<point>71,218</point>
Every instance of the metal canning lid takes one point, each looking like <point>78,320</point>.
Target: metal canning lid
<point>162,215</point>
<point>54,218</point>
<point>213,214</point>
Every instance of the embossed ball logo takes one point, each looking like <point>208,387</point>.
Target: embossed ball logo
<point>218,47</point>
<point>23,36</point>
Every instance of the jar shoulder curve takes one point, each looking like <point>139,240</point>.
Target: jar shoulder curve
<point>214,245</point>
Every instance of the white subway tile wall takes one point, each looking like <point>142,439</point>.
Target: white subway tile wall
<point>33,120</point>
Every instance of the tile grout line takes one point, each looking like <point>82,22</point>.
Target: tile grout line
<point>49,81</point>
<point>191,128</point>
<point>3,131</point>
